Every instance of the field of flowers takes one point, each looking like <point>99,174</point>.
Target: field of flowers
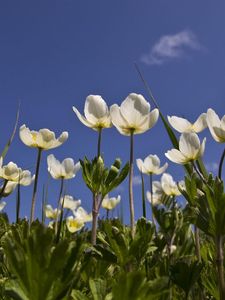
<point>177,254</point>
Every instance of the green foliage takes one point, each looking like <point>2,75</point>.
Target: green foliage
<point>101,180</point>
<point>39,268</point>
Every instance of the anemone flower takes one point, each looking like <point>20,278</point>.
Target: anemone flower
<point>44,139</point>
<point>70,202</point>
<point>169,186</point>
<point>182,125</point>
<point>217,130</point>
<point>190,149</point>
<point>74,224</point>
<point>110,203</point>
<point>96,116</point>
<point>133,117</point>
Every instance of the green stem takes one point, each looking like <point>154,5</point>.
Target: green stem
<point>18,204</point>
<point>197,243</point>
<point>94,219</point>
<point>143,195</point>
<point>3,188</point>
<point>58,205</point>
<point>35,186</point>
<point>60,220</point>
<point>221,165</point>
<point>131,197</point>
<point>199,173</point>
<point>107,214</point>
<point>99,141</point>
<point>151,192</point>
<point>220,267</point>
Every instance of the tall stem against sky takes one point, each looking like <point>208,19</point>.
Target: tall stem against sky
<point>143,195</point>
<point>35,186</point>
<point>58,205</point>
<point>99,141</point>
<point>131,197</point>
<point>151,191</point>
<point>221,164</point>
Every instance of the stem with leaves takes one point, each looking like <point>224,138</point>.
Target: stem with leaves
<point>35,186</point>
<point>131,197</point>
<point>220,268</point>
<point>94,219</point>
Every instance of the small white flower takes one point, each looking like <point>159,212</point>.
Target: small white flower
<point>151,165</point>
<point>169,186</point>
<point>96,113</point>
<point>67,169</point>
<point>133,116</point>
<point>50,212</point>
<point>9,188</point>
<point>74,224</point>
<point>70,202</point>
<point>216,126</point>
<point>190,149</point>
<point>182,125</point>
<point>43,139</point>
<point>82,215</point>
<point>110,203</point>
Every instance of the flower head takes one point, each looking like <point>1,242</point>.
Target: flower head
<point>70,202</point>
<point>82,215</point>
<point>96,113</point>
<point>67,169</point>
<point>216,126</point>
<point>133,116</point>
<point>151,165</point>
<point>74,224</point>
<point>157,193</point>
<point>190,149</point>
<point>43,139</point>
<point>50,212</point>
<point>169,186</point>
<point>9,188</point>
<point>182,125</point>
<point>110,203</point>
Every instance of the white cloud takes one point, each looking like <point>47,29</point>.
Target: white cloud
<point>212,167</point>
<point>137,180</point>
<point>170,47</point>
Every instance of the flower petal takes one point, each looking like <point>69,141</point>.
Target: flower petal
<point>200,124</point>
<point>176,156</point>
<point>180,124</point>
<point>82,118</point>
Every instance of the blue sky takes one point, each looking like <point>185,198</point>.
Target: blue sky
<point>53,54</point>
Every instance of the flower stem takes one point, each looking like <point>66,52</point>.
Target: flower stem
<point>221,165</point>
<point>3,188</point>
<point>99,141</point>
<point>18,204</point>
<point>197,243</point>
<point>151,192</point>
<point>58,205</point>
<point>131,197</point>
<point>35,186</point>
<point>199,173</point>
<point>95,219</point>
<point>220,268</point>
<point>143,195</point>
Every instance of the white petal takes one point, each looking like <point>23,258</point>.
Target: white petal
<point>2,205</point>
<point>68,168</point>
<point>220,134</point>
<point>26,136</point>
<point>54,167</point>
<point>149,122</point>
<point>82,118</point>
<point>25,178</point>
<point>202,147</point>
<point>118,120</point>
<point>95,108</point>
<point>180,124</point>
<point>176,156</point>
<point>213,121</point>
<point>139,163</point>
<point>162,169</point>
<point>189,145</point>
<point>200,124</point>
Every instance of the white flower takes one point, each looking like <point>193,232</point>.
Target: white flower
<point>151,165</point>
<point>70,202</point>
<point>50,212</point>
<point>43,139</point>
<point>96,113</point>
<point>9,188</point>
<point>82,215</point>
<point>2,205</point>
<point>12,172</point>
<point>189,149</point>
<point>74,224</point>
<point>67,169</point>
<point>157,193</point>
<point>133,116</point>
<point>110,203</point>
<point>169,186</point>
<point>182,125</point>
<point>216,126</point>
